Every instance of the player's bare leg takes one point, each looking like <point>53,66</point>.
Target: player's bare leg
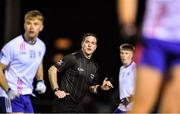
<point>170,97</point>
<point>146,91</point>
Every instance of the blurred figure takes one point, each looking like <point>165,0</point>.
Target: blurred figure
<point>78,74</point>
<point>159,64</point>
<point>20,61</point>
<point>127,76</point>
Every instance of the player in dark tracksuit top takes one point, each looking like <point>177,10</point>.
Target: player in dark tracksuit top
<point>80,74</point>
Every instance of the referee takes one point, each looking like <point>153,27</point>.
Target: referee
<point>79,74</point>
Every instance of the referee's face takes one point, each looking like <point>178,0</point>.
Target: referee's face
<point>89,45</point>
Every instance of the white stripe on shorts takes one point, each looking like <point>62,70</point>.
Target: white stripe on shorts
<point>8,105</point>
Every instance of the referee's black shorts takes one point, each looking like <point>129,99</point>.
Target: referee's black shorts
<point>66,105</point>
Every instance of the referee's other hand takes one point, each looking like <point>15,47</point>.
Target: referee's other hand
<point>106,85</point>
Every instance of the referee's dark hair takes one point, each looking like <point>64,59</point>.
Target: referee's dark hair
<point>89,34</point>
<point>127,46</point>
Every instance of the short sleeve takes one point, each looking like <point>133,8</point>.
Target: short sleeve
<point>65,63</point>
<point>6,54</point>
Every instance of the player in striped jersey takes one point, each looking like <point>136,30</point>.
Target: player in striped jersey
<point>127,74</point>
<point>20,61</point>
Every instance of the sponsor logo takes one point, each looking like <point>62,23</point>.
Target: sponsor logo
<point>80,69</point>
<point>22,52</point>
<point>22,46</point>
<point>32,54</point>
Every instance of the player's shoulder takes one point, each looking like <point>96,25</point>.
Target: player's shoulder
<point>70,56</point>
<point>133,64</point>
<point>121,67</point>
<point>40,42</point>
<point>75,55</point>
<point>15,41</point>
<point>18,38</point>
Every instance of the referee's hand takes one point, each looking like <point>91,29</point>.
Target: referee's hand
<point>106,85</point>
<point>61,94</point>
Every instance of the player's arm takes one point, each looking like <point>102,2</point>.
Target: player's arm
<point>39,75</point>
<point>6,56</point>
<point>3,82</point>
<point>40,87</point>
<point>127,17</point>
<point>127,11</point>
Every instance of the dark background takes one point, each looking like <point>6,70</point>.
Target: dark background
<point>72,19</point>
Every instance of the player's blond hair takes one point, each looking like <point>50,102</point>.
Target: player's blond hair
<point>127,46</point>
<point>34,14</point>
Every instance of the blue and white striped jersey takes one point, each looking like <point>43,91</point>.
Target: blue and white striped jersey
<point>23,60</point>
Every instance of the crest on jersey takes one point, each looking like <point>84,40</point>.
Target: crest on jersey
<point>59,63</point>
<point>22,46</point>
<point>92,76</point>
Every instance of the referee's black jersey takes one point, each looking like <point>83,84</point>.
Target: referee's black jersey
<point>78,74</point>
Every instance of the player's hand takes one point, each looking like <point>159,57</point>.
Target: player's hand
<point>61,94</point>
<point>129,33</point>
<point>106,85</point>
<point>41,87</point>
<point>12,94</point>
<point>128,30</point>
